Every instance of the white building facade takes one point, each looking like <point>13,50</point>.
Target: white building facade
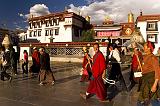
<point>150,29</point>
<point>56,27</point>
<point>22,36</point>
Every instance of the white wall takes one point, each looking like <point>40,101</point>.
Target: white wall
<point>143,26</point>
<point>65,33</point>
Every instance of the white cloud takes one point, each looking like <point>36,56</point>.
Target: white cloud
<point>117,9</point>
<point>92,1</point>
<point>36,10</point>
<point>20,14</point>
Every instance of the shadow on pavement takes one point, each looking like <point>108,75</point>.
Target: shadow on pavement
<point>63,80</point>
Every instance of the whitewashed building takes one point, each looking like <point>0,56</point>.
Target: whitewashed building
<point>22,36</point>
<point>56,27</point>
<point>150,28</point>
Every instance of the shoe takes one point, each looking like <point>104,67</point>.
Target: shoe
<point>41,83</point>
<point>10,79</point>
<point>84,96</point>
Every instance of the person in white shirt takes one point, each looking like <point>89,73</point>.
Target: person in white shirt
<point>114,61</point>
<point>114,53</point>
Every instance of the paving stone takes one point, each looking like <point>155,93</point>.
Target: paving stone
<point>25,91</point>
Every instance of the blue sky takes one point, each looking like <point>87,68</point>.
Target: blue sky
<point>10,10</point>
<point>14,13</point>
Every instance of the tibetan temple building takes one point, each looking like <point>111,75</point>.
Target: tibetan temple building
<point>57,27</point>
<point>116,33</point>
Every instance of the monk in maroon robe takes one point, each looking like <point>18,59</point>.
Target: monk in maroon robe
<point>96,85</point>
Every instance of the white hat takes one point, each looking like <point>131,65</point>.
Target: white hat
<point>34,48</point>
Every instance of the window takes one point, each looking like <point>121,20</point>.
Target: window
<point>51,32</point>
<point>56,31</point>
<point>39,33</point>
<point>47,33</point>
<point>30,25</point>
<point>35,25</point>
<point>35,33</point>
<point>76,32</point>
<point>30,34</point>
<point>57,21</point>
<point>152,38</point>
<point>152,26</point>
<point>52,22</point>
<point>39,24</point>
<point>47,23</point>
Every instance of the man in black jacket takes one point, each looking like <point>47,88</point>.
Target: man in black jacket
<point>45,74</point>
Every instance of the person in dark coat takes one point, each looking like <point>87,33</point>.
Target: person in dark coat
<point>45,74</point>
<point>13,60</point>
<point>6,64</point>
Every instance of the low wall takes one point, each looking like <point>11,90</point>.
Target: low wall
<point>65,52</point>
<point>63,59</point>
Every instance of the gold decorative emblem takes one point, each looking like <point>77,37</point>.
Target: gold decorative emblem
<point>128,31</point>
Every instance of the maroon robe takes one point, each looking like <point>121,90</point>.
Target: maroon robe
<point>84,77</point>
<point>96,85</point>
<point>36,58</point>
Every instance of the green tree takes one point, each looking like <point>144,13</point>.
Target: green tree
<point>88,36</point>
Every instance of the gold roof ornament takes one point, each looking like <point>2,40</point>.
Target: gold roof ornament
<point>108,21</point>
<point>88,18</point>
<point>7,41</point>
<point>107,18</point>
<point>130,17</point>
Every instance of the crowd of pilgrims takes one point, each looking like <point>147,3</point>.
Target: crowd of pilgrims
<point>40,64</point>
<point>99,71</point>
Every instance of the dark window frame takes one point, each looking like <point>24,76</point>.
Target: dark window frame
<point>30,34</point>
<point>46,32</point>
<point>39,32</point>
<point>47,23</point>
<point>156,40</point>
<point>51,32</point>
<point>152,26</point>
<point>57,21</point>
<point>34,33</point>
<point>56,31</point>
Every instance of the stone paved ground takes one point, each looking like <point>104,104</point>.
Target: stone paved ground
<point>25,91</point>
